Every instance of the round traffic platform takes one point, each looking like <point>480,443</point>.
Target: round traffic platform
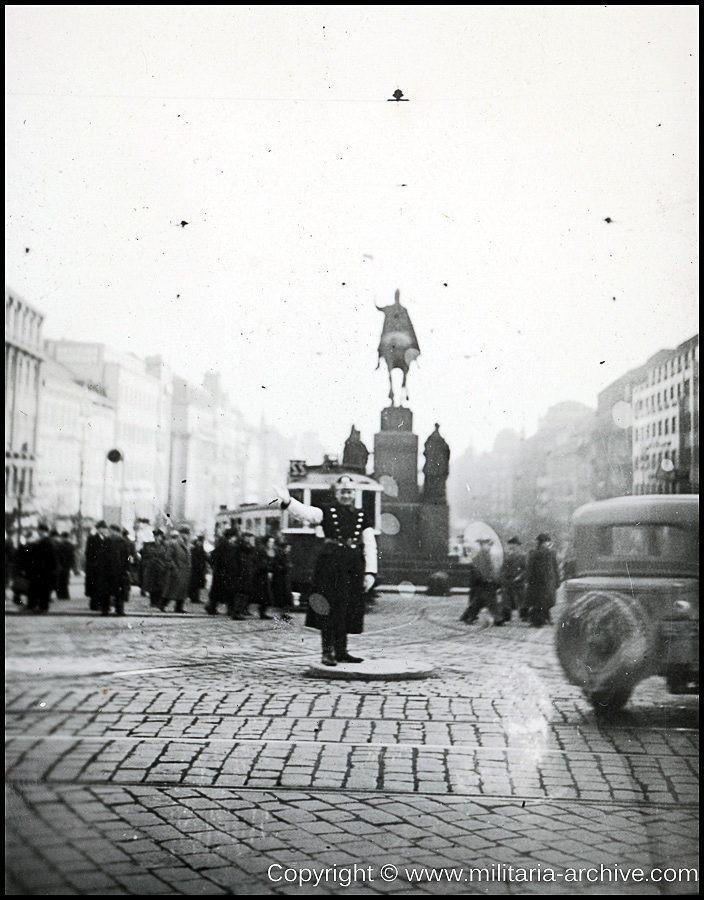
<point>372,670</point>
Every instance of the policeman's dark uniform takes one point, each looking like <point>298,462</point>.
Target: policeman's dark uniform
<point>338,579</point>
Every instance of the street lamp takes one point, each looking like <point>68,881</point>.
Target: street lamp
<point>114,456</point>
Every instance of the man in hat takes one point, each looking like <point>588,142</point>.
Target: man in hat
<point>153,563</point>
<point>97,583</point>
<point>67,559</point>
<point>42,570</point>
<point>483,586</point>
<point>345,569</point>
<point>178,569</point>
<point>225,563</point>
<point>199,568</point>
<point>542,581</point>
<point>118,563</point>
<point>513,572</point>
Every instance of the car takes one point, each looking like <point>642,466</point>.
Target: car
<point>631,611</point>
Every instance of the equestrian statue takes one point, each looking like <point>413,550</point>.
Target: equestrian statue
<point>398,345</point>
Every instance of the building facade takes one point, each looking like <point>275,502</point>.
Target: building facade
<point>666,422</point>
<point>612,441</point>
<point>76,431</point>
<point>23,363</point>
<point>135,486</point>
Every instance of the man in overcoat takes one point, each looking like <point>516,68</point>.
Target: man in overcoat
<point>153,563</point>
<point>513,574</point>
<point>67,559</point>
<point>178,569</point>
<point>97,581</point>
<point>225,563</point>
<point>118,562</point>
<point>42,572</point>
<point>483,586</point>
<point>542,581</point>
<point>199,568</point>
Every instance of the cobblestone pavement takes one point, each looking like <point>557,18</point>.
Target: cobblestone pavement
<point>160,753</point>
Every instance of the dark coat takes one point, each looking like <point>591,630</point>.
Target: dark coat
<point>153,567</point>
<point>248,569</point>
<point>225,561</point>
<point>542,581</point>
<point>283,595</point>
<point>118,565</point>
<point>66,553</point>
<point>513,570</point>
<point>339,570</point>
<point>178,570</point>
<point>263,583</point>
<point>43,564</point>
<point>97,583</point>
<point>199,566</point>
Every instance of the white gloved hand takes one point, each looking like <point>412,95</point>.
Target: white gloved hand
<point>283,494</point>
<point>369,582</point>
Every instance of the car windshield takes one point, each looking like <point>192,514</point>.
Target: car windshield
<point>665,542</point>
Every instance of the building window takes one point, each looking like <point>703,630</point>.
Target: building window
<point>674,424</point>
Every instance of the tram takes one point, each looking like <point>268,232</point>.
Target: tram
<point>310,485</point>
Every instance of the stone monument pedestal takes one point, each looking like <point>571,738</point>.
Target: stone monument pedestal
<point>415,525</point>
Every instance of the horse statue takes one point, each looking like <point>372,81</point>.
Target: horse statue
<point>398,345</point>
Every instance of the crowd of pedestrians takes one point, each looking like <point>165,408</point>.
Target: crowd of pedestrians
<point>39,568</point>
<point>171,570</point>
<point>247,573</point>
<point>524,583</point>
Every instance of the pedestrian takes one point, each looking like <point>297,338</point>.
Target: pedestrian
<point>153,568</point>
<point>199,568</point>
<point>542,580</point>
<point>244,584</point>
<point>513,573</point>
<point>9,560</point>
<point>225,563</point>
<point>483,587</point>
<point>97,582</point>
<point>118,560</point>
<point>283,595</point>
<point>20,569</point>
<point>178,569</point>
<point>133,566</point>
<point>345,569</point>
<point>42,570</point>
<point>263,586</point>
<point>67,560</point>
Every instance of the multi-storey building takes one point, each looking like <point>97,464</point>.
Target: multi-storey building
<point>76,431</point>
<point>215,455</point>
<point>554,472</point>
<point>666,422</point>
<point>135,486</point>
<point>23,361</point>
<point>481,487</point>
<point>612,440</point>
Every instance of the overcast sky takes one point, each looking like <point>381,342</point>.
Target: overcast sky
<point>310,198</point>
